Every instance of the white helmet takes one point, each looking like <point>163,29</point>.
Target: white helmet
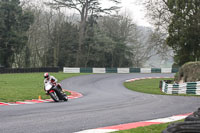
<point>46,75</point>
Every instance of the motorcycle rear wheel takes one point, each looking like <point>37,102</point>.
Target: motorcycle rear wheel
<point>65,98</point>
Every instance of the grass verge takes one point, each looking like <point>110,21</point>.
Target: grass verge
<point>148,129</point>
<point>150,86</point>
<point>27,86</point>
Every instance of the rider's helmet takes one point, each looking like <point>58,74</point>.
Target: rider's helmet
<point>46,75</point>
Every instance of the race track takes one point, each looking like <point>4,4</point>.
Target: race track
<point>105,102</point>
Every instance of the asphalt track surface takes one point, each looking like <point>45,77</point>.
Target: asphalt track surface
<point>105,102</point>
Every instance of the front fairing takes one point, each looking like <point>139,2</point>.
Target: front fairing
<point>48,86</point>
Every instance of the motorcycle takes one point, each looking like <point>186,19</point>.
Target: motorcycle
<point>55,92</point>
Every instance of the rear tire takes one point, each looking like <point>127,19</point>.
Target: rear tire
<point>65,98</point>
<point>54,96</point>
<point>62,95</point>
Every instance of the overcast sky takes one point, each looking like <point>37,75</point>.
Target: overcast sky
<point>133,7</point>
<point>136,10</point>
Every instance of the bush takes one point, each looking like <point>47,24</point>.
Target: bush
<point>189,72</point>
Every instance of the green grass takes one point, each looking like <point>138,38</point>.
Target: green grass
<point>19,87</point>
<point>158,128</point>
<point>150,86</point>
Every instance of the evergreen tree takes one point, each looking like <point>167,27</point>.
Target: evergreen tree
<point>184,30</point>
<point>14,22</point>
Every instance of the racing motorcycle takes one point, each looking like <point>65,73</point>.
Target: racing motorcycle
<point>55,92</point>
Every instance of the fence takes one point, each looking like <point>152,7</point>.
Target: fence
<point>184,88</point>
<point>119,70</point>
<point>29,70</point>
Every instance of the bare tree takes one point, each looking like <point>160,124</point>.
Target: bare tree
<point>160,17</point>
<point>40,34</point>
<point>158,14</point>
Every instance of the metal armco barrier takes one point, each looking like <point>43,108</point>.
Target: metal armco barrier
<point>119,70</point>
<point>190,125</point>
<point>29,70</point>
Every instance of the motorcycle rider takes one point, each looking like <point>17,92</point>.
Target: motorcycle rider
<point>53,80</point>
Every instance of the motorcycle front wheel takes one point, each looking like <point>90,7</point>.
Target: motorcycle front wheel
<point>54,96</point>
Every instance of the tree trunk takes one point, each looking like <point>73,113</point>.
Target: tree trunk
<point>84,14</point>
<point>80,43</point>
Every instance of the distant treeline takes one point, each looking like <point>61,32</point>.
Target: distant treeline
<point>43,35</point>
<point>34,37</point>
<point>28,70</point>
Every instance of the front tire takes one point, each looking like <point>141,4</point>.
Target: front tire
<point>54,96</point>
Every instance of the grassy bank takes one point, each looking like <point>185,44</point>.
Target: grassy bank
<point>148,129</point>
<point>19,87</point>
<point>150,86</point>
